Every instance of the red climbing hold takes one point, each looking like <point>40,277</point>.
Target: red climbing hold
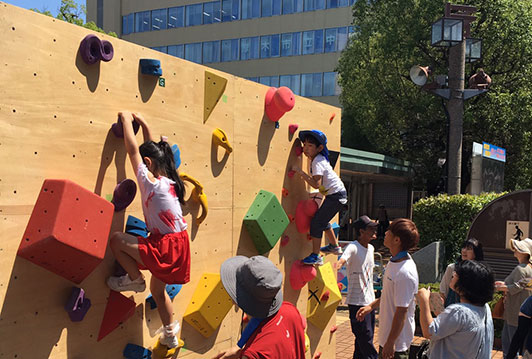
<point>119,309</point>
<point>285,240</point>
<point>278,101</point>
<point>334,328</point>
<point>292,128</point>
<point>298,150</point>
<point>291,173</point>
<point>285,192</point>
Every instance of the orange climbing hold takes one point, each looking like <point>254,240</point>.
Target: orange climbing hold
<point>278,101</point>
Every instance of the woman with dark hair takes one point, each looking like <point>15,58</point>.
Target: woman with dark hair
<point>465,329</point>
<point>471,250</point>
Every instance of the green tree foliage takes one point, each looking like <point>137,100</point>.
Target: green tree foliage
<point>385,112</point>
<point>69,11</point>
<point>448,218</point>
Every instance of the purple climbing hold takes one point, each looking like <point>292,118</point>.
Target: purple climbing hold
<point>106,51</point>
<point>124,194</point>
<point>77,305</point>
<point>90,49</point>
<point>119,131</point>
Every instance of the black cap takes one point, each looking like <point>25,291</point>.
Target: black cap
<point>364,222</point>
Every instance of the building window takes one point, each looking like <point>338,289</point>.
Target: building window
<point>235,14</point>
<point>329,83</point>
<point>160,49</point>
<point>343,3</point>
<point>158,19</point>
<point>265,80</point>
<point>298,5</point>
<point>250,9</point>
<point>286,44</point>
<point>249,48</point>
<point>125,30</point>
<point>276,7</point>
<point>177,51</point>
<point>274,45</point>
<point>291,81</point>
<point>265,47</point>
<point>296,43</point>
<point>318,41</point>
<point>266,8</point>
<point>309,5</point>
<point>341,38</point>
<point>99,14</point>
<point>311,85</point>
<point>193,52</point>
<point>308,42</point>
<point>288,7</point>
<point>230,50</point>
<point>194,15</point>
<point>227,7</point>
<point>330,40</point>
<point>211,52</point>
<point>274,81</point>
<point>142,21</point>
<point>176,17</point>
<point>332,4</point>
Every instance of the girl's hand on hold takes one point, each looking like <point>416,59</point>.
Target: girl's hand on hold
<point>126,115</point>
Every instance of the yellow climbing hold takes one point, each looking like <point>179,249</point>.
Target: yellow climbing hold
<point>324,297</point>
<point>214,89</point>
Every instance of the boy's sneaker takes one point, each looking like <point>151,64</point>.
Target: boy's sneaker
<point>313,259</point>
<point>329,248</point>
<point>124,283</point>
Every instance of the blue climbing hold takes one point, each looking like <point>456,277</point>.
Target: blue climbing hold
<point>171,289</point>
<point>136,227</point>
<point>151,67</point>
<point>177,156</point>
<point>133,351</point>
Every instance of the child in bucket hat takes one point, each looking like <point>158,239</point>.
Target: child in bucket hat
<point>254,284</point>
<point>322,177</point>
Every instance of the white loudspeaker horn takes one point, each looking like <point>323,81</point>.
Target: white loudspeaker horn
<point>419,74</point>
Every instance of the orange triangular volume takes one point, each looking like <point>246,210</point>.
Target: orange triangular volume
<point>119,308</point>
<point>214,89</point>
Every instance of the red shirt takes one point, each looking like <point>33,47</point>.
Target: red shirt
<point>281,336</point>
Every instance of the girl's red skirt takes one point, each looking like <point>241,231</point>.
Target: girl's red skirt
<point>166,256</point>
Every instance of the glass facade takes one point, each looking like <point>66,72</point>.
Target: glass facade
<point>308,85</point>
<point>220,11</point>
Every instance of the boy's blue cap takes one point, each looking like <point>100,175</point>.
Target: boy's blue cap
<point>319,136</point>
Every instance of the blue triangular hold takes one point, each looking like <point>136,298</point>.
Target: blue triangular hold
<point>135,226</point>
<point>133,351</point>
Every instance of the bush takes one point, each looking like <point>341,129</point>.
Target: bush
<point>448,218</point>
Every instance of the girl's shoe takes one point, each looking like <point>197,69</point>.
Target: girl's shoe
<point>124,283</point>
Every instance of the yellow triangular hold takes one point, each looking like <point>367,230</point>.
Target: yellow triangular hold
<point>214,89</point>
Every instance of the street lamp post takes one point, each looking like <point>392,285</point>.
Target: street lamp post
<point>452,31</point>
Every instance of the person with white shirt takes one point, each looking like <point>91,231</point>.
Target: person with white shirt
<point>397,301</point>
<point>360,263</point>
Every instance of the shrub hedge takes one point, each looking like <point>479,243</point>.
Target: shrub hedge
<point>448,218</point>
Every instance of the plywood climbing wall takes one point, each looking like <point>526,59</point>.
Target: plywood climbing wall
<point>55,116</point>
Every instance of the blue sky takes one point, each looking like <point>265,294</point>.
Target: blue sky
<point>50,5</point>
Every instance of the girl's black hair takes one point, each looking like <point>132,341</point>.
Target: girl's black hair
<point>163,159</point>
<point>476,246</point>
<point>475,282</point>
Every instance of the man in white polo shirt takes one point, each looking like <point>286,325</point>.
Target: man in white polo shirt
<point>359,258</point>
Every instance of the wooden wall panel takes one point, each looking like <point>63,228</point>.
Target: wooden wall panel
<point>55,116</point>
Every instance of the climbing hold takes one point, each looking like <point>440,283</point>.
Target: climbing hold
<point>291,173</point>
<point>151,67</point>
<point>265,221</point>
<point>68,230</point>
<point>124,194</point>
<point>340,285</point>
<point>119,131</point>
<point>285,240</point>
<point>291,218</point>
<point>209,305</point>
<point>177,156</point>
<point>220,138</point>
<point>245,318</point>
<point>198,195</point>
<point>309,238</point>
<point>214,89</point>
<point>317,355</point>
<point>310,207</point>
<point>90,49</point>
<point>332,117</point>
<point>292,128</point>
<point>307,343</point>
<point>119,308</point>
<point>284,192</point>
<point>77,305</point>
<point>278,101</point>
<point>333,329</point>
<point>133,351</point>
<point>162,351</point>
<point>136,227</point>
<point>324,296</point>
<point>298,150</point>
<point>106,51</point>
<point>305,210</point>
<point>301,274</point>
<point>171,289</point>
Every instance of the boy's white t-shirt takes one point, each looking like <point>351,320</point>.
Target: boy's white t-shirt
<point>360,263</point>
<point>399,289</point>
<point>330,180</point>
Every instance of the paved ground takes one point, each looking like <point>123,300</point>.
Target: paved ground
<point>345,339</point>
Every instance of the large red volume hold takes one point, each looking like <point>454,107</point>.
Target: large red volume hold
<point>68,230</point>
<point>119,309</point>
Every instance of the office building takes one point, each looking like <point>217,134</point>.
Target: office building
<point>293,43</point>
